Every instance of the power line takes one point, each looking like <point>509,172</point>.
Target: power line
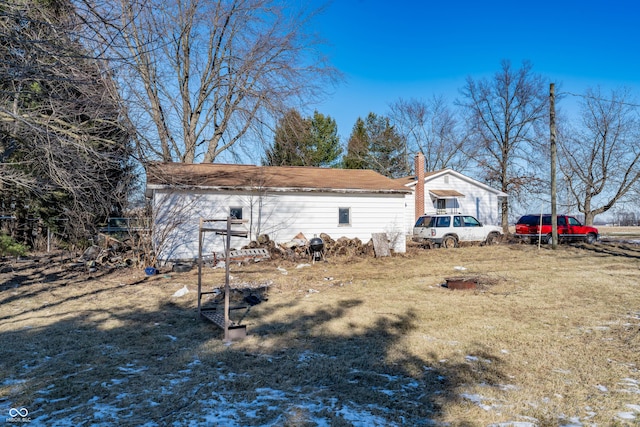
<point>595,98</point>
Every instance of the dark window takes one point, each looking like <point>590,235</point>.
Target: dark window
<point>235,213</point>
<point>457,221</point>
<point>443,221</point>
<point>344,216</point>
<point>573,221</point>
<point>529,220</point>
<point>470,221</point>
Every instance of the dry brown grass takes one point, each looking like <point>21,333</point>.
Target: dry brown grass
<point>549,337</point>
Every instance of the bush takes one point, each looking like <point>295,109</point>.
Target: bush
<point>8,246</point>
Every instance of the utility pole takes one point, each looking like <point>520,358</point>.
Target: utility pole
<point>554,155</point>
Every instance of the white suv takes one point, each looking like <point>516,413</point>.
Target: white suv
<point>448,230</point>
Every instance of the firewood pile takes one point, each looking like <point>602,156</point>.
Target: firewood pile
<point>298,248</point>
<point>113,253</point>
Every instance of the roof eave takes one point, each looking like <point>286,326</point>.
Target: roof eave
<point>276,189</point>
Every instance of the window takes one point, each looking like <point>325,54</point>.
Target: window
<point>344,216</point>
<point>423,221</point>
<point>457,222</point>
<point>443,221</point>
<point>235,213</point>
<point>441,206</point>
<point>470,221</point>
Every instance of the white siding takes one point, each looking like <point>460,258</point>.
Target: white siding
<point>477,201</point>
<point>410,212</point>
<point>280,215</point>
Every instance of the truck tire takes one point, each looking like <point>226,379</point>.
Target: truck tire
<point>590,239</point>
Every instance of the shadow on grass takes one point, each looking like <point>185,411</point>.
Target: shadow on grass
<point>615,249</point>
<point>161,365</point>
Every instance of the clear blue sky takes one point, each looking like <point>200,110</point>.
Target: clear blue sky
<point>389,49</point>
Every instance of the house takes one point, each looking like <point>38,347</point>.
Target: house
<point>280,202</point>
<point>448,191</point>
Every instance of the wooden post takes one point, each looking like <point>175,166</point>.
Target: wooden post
<point>554,155</point>
<point>200,234</point>
<point>227,287</point>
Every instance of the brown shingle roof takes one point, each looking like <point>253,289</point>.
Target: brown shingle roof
<point>229,177</point>
<point>412,178</point>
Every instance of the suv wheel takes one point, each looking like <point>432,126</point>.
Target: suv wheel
<point>591,238</point>
<point>449,242</point>
<point>493,239</point>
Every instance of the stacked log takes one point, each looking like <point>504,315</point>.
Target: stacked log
<point>298,248</point>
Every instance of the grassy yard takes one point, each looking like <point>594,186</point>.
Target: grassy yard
<point>548,338</point>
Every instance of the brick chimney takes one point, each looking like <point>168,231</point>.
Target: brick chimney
<point>419,193</point>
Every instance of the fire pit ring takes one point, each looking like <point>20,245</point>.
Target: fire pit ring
<point>461,282</point>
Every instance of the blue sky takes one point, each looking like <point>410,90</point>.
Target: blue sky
<point>389,50</point>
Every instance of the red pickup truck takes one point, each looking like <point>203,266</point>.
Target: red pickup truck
<point>531,228</point>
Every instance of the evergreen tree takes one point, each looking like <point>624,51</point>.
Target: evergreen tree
<point>357,148</point>
<point>375,144</point>
<point>323,147</point>
<point>299,141</point>
<point>387,154</point>
<point>289,142</point>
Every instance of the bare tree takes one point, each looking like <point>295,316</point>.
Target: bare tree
<point>63,147</point>
<point>601,157</point>
<point>431,127</point>
<point>201,75</point>
<point>502,114</point>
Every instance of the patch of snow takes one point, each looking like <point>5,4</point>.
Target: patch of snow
<point>602,388</point>
<point>514,424</point>
<point>573,422</point>
<point>626,415</point>
<point>630,386</point>
<point>130,369</point>
<point>362,418</point>
<point>477,399</point>
<point>171,337</point>
<point>507,387</point>
<point>634,407</point>
<point>9,382</point>
<point>470,358</point>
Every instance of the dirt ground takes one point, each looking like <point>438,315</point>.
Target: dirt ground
<point>546,338</point>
